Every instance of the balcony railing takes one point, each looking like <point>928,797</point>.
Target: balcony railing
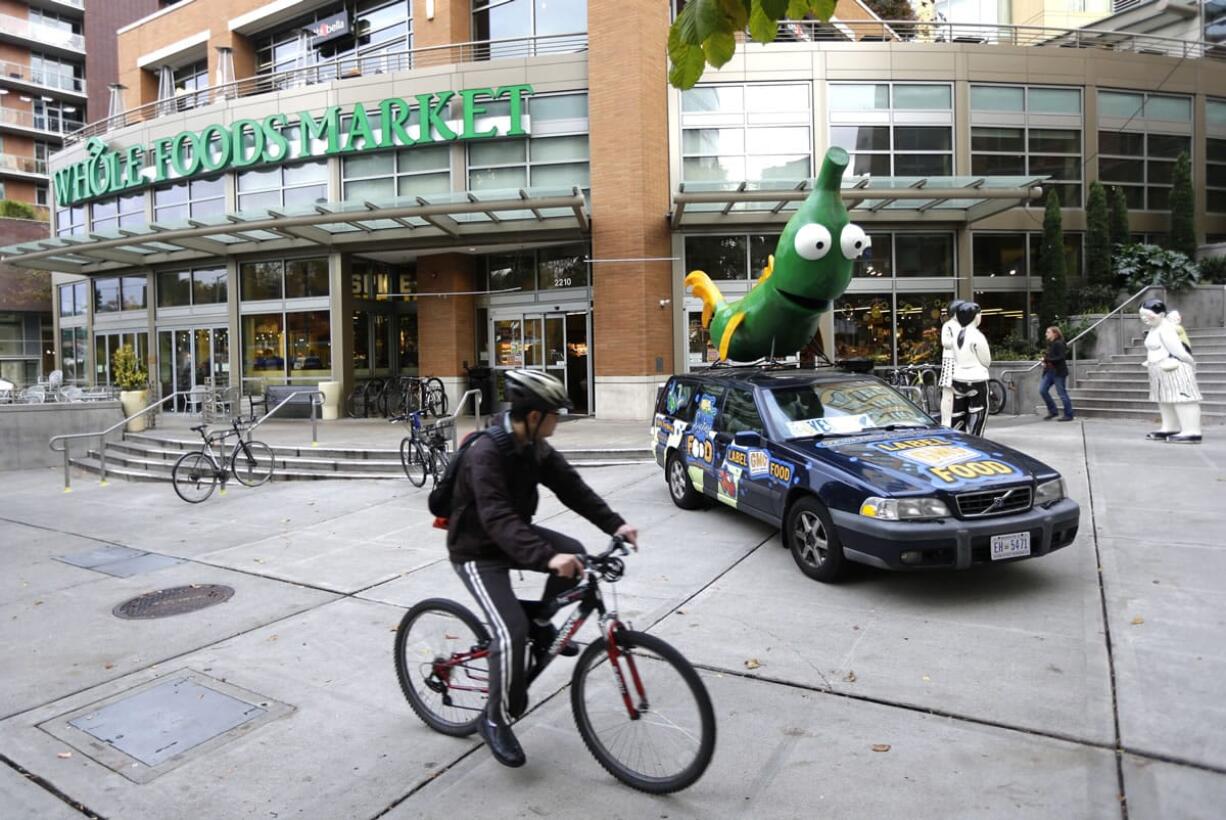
<point>342,69</point>
<point>39,33</point>
<point>38,122</point>
<point>24,165</point>
<point>41,77</point>
<point>911,31</point>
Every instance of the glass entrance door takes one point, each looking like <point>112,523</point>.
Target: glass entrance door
<point>191,358</point>
<point>554,342</point>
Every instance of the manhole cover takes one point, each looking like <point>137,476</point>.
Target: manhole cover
<point>174,601</point>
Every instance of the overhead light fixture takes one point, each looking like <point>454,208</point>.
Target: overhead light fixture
<point>3,91</point>
<point>24,98</point>
<point>47,99</point>
<point>70,108</point>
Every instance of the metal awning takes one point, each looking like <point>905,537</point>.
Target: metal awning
<point>460,218</point>
<point>871,199</point>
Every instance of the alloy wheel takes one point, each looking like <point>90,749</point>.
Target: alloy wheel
<point>810,539</point>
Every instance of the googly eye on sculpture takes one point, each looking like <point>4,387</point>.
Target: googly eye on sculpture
<point>1172,375</point>
<point>810,268</point>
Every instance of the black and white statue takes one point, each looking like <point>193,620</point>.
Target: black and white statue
<point>1172,377</point>
<point>949,341</point>
<point>970,382</point>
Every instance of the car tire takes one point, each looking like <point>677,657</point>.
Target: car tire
<point>680,489</point>
<point>810,536</point>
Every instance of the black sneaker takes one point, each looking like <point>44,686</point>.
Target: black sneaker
<point>501,740</point>
<point>1158,435</point>
<point>1049,416</point>
<point>1065,418</point>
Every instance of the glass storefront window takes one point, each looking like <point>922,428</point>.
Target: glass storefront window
<point>361,343</point>
<point>562,267</point>
<point>998,98</point>
<point>382,350</point>
<point>700,348</point>
<point>260,280</point>
<point>264,344</point>
<point>514,270</point>
<point>508,343</point>
<point>306,277</point>
<point>1004,315</point>
<point>919,318</point>
<point>310,344</point>
<point>106,294</point>
<point>720,257</point>
<point>863,326</point>
<point>999,255</point>
<point>534,343</point>
<point>133,291</point>
<point>209,286</point>
<point>849,97</point>
<point>924,254</point>
<point>407,338</point>
<point>73,299</point>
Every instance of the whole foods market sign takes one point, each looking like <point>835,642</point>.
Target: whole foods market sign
<point>287,137</point>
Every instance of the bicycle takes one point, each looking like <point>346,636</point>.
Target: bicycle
<point>996,396</point>
<point>918,382</point>
<point>441,662</point>
<point>365,398</point>
<point>196,474</point>
<point>409,393</point>
<point>423,451</point>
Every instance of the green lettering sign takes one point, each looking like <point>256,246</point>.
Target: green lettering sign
<point>287,137</point>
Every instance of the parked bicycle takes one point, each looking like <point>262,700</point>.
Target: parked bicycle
<point>409,393</point>
<point>646,717</point>
<point>196,474</point>
<point>423,452</point>
<point>366,399</point>
<point>918,382</point>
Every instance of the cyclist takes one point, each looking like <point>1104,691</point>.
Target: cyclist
<point>490,532</point>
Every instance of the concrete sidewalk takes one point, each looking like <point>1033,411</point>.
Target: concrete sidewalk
<point>999,691</point>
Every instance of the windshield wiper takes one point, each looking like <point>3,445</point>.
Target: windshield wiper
<point>893,427</point>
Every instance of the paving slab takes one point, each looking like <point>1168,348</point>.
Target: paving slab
<point>785,753</point>
<point>25,800</point>
<point>1160,790</point>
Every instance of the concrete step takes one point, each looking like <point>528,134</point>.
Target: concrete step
<point>1198,349</point>
<point>1201,358</point>
<point>170,456</point>
<point>1132,414</point>
<point>1138,392</point>
<point>1140,404</point>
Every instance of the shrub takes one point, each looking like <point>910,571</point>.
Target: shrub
<point>126,370</point>
<point>1093,299</point>
<point>1183,229</point>
<point>17,210</point>
<point>1054,303</point>
<point>1141,265</point>
<point>1213,270</point>
<point>1085,347</point>
<point>1014,348</point>
<point>1098,237</point>
<point>1118,218</point>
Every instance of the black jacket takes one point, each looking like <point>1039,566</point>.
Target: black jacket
<point>1057,357</point>
<point>496,497</point>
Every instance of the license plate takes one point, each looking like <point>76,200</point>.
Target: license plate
<point>1010,546</point>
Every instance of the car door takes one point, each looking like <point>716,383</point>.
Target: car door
<point>737,462</point>
<point>699,438</point>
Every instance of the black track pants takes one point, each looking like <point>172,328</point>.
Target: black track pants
<point>489,582</point>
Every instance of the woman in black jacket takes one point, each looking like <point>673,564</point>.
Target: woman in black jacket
<point>1055,371</point>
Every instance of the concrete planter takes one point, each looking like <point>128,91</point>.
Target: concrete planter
<point>133,401</point>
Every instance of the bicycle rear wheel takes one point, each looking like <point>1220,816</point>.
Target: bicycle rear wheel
<point>252,463</point>
<point>356,404</point>
<point>670,744</point>
<point>444,685</point>
<point>413,459</point>
<point>996,396</point>
<point>194,477</point>
<point>435,398</point>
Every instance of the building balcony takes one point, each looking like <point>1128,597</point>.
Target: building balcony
<point>13,165</point>
<point>42,37</point>
<point>388,62</point>
<point>60,6</point>
<point>29,124</point>
<point>907,32</point>
<point>37,81</point>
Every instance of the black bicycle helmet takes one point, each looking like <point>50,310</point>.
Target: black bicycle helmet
<point>1156,305</point>
<point>534,390</point>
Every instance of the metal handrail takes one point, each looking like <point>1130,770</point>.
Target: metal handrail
<point>317,400</point>
<point>475,395</point>
<point>1105,317</point>
<point>25,73</point>
<point>340,69</point>
<point>1006,376</point>
<point>66,437</point>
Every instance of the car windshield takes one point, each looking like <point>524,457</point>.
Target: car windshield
<point>841,408</point>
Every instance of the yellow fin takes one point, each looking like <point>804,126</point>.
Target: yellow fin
<point>729,329</point>
<point>704,289</point>
<point>767,271</point>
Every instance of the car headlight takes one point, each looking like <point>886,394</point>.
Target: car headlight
<point>1049,492</point>
<point>903,509</point>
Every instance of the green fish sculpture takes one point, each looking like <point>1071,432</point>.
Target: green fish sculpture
<point>810,268</point>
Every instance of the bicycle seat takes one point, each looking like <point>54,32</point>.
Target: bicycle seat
<point>200,428</point>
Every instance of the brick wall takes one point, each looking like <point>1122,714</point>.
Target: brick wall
<point>445,324</point>
<point>101,55</point>
<point>630,189</point>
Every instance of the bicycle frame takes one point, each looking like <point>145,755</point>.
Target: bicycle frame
<point>587,594</point>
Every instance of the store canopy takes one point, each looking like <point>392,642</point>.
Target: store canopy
<point>870,199</point>
<point>410,222</point>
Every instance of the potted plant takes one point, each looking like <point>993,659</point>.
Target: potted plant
<point>133,383</point>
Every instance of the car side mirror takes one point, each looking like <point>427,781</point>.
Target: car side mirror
<point>748,438</point>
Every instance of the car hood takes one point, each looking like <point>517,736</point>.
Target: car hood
<point>920,461</point>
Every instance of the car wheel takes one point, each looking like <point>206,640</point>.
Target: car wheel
<point>680,489</point>
<point>811,537</point>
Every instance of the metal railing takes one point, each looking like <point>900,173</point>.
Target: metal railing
<point>23,165</point>
<point>449,421</point>
<point>317,400</point>
<point>39,33</point>
<point>47,79</point>
<point>342,69</point>
<point>1007,376</point>
<point>912,31</point>
<point>42,122</point>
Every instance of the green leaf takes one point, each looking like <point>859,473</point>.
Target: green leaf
<point>687,25</point>
<point>719,48</point>
<point>676,45</point>
<point>686,71</point>
<point>822,9</point>
<point>797,9</point>
<point>737,12</point>
<point>775,9</point>
<point>708,18</point>
<point>762,28</point>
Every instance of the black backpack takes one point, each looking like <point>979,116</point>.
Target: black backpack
<point>442,496</point>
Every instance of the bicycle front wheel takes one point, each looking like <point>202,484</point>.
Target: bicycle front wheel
<point>445,684</point>
<point>668,747</point>
<point>436,398</point>
<point>194,477</point>
<point>996,396</point>
<point>438,463</point>
<point>252,463</point>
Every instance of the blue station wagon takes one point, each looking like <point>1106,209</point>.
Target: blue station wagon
<point>850,470</point>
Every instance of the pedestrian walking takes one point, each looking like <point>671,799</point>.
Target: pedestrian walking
<point>1055,372</point>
